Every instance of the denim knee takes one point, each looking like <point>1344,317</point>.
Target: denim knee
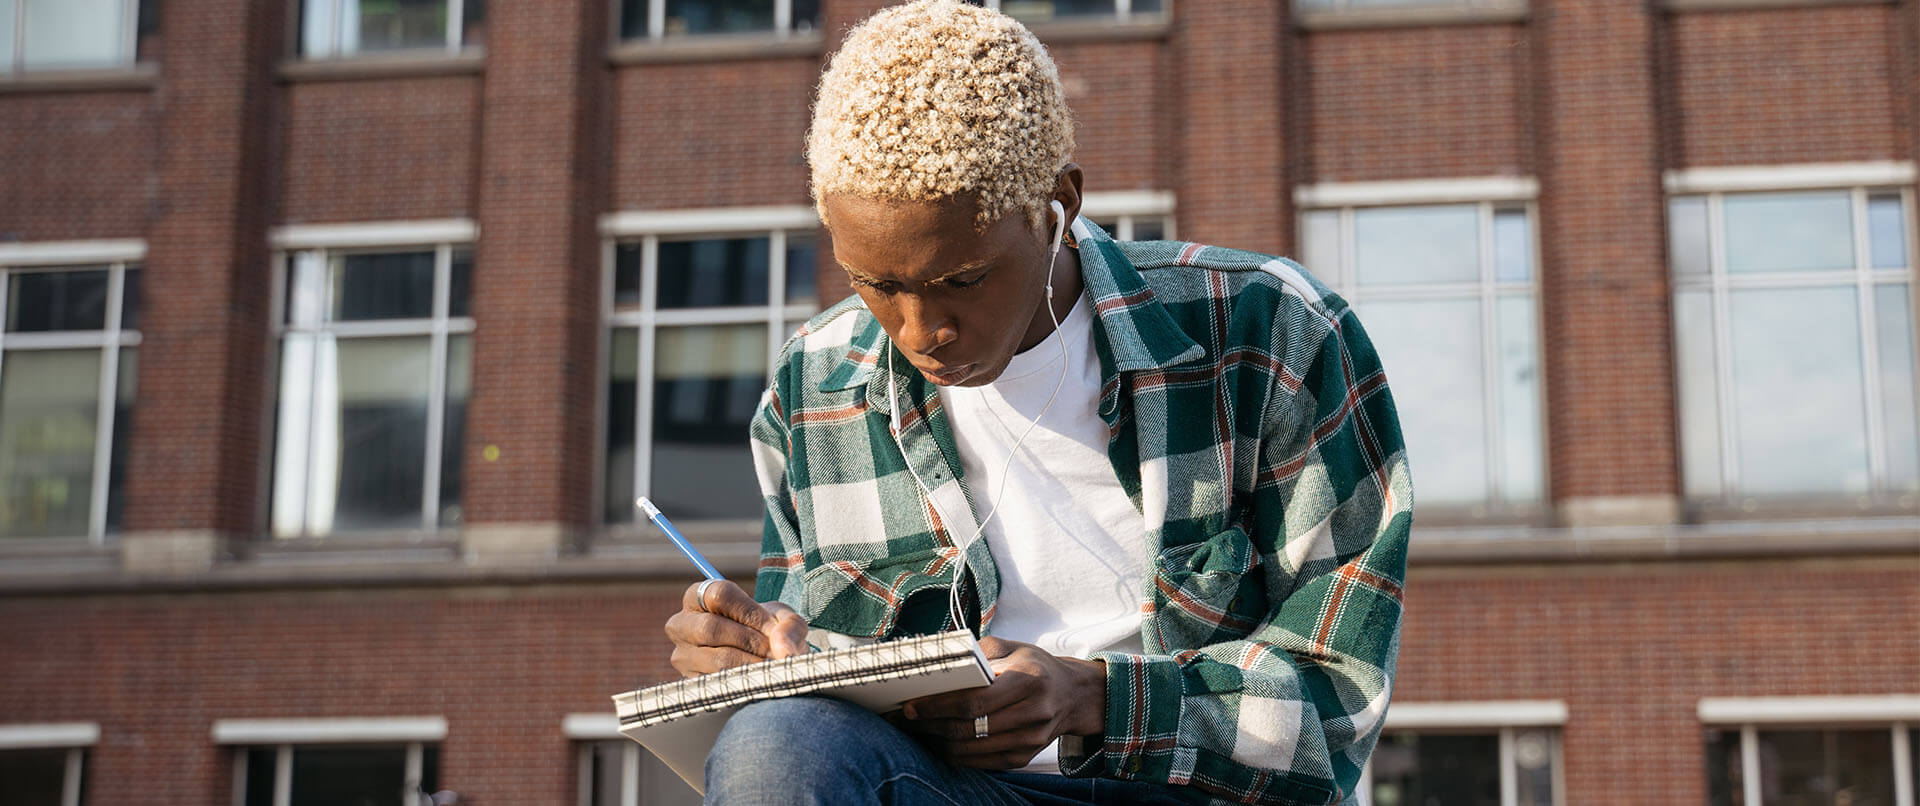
<point>797,750</point>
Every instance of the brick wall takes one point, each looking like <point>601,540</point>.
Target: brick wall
<point>381,150</point>
<point>711,135</point>
<point>76,166</point>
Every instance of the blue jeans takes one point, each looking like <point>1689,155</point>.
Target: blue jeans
<point>818,750</point>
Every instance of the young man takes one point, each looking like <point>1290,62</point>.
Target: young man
<point>1168,476</point>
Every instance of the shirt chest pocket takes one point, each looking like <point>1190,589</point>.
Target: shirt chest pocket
<point>1208,591</point>
<point>864,597</point>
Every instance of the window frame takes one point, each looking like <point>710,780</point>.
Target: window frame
<point>1899,714</point>
<point>585,731</point>
<point>649,229</point>
<point>783,26</point>
<point>413,733</point>
<point>1122,12</point>
<point>1506,719</point>
<point>444,237</point>
<point>455,35</point>
<point>1127,207</point>
<point>118,256</point>
<point>129,45</point>
<point>1860,181</point>
<point>1490,196</point>
<point>77,738</point>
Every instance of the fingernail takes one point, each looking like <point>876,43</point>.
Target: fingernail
<point>910,712</point>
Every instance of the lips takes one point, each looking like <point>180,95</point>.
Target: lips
<point>948,376</point>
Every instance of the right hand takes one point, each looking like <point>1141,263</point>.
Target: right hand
<point>730,629</point>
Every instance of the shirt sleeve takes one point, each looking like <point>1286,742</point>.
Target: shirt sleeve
<point>1285,707</point>
<point>779,576</point>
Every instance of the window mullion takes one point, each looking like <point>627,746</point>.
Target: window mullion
<point>70,784</point>
<point>643,374</point>
<point>436,388</point>
<point>1903,772</point>
<point>456,10</point>
<point>1490,413</point>
<point>414,764</point>
<point>782,17</point>
<point>130,30</point>
<point>1721,304</point>
<point>1122,9</point>
<point>1509,775</point>
<point>1869,346</point>
<point>104,407</point>
<point>656,20</point>
<point>629,774</point>
<point>1750,765</point>
<point>283,776</point>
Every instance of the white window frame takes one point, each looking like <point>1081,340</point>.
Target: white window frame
<point>334,19</point>
<point>657,24</point>
<point>1126,207</point>
<point>649,228</point>
<point>1506,718</point>
<point>75,737</point>
<point>1122,12</point>
<point>117,256</point>
<point>444,236</point>
<point>586,730</point>
<point>129,42</point>
<point>1897,713</point>
<point>1860,180</point>
<point>1490,195</point>
<point>412,733</point>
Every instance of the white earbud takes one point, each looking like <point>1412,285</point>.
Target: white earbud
<point>1059,233</point>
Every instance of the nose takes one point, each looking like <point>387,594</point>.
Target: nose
<point>924,328</point>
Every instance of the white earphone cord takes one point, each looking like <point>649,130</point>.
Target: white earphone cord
<point>953,591</point>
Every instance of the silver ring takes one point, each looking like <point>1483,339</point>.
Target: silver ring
<point>700,595</point>
<point>980,727</point>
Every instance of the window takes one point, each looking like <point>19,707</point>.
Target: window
<point>45,764</point>
<point>1784,751</point>
<point>1447,293</point>
<point>1137,227</point>
<point>68,34</point>
<point>1370,5</point>
<point>1043,10</point>
<point>619,772</point>
<point>1503,753</point>
<point>660,19</point>
<point>336,28</point>
<point>372,761</point>
<point>1793,323</point>
<point>696,322</point>
<point>375,362</point>
<point>68,359</point>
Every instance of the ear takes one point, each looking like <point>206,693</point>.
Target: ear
<point>1066,190</point>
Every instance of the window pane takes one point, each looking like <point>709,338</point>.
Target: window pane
<point>607,778</point>
<point>454,432</point>
<point>806,15</point>
<point>1893,306</point>
<point>1434,770</point>
<point>383,286</point>
<point>1153,227</point>
<point>1512,247</point>
<point>1724,784</point>
<point>1145,6</point>
<point>633,19</point>
<point>803,254</point>
<point>75,33</point>
<point>1887,231</point>
<point>1533,762</point>
<point>48,403</point>
<point>1040,10</point>
<point>318,26</point>
<point>1699,394</point>
<point>123,388</point>
<point>1320,247</point>
<point>460,283</point>
<point>260,766</point>
<point>623,356</point>
<point>718,16</point>
<point>1799,406</point>
<point>1519,399</point>
<point>381,416</point>
<point>33,777</point>
<point>6,35</point>
<point>1431,244</point>
<point>1431,351</point>
<point>1687,235</point>
<point>1789,231</point>
<point>626,275</point>
<point>349,776</point>
<point>130,299</point>
<point>1818,768</point>
<point>717,272</point>
<point>376,25</point>
<point>57,300</point>
<point>707,382</point>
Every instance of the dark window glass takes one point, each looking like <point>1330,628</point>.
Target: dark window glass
<point>32,777</point>
<point>626,274</point>
<point>122,427</point>
<point>1436,770</point>
<point>1145,6</point>
<point>633,19</point>
<point>1822,767</point>
<point>1149,229</point>
<point>260,766</point>
<point>806,15</point>
<point>130,299</point>
<point>803,254</point>
<point>349,776</point>
<point>57,300</point>
<point>395,285</point>
<point>718,16</point>
<point>716,272</point>
<point>473,27</point>
<point>1724,785</point>
<point>622,389</point>
<point>460,284</point>
<point>454,434</point>
<point>149,21</point>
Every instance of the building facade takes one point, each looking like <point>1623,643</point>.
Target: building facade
<point>340,335</point>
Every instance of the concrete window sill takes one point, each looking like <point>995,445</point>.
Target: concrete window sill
<point>1138,27</point>
<point>471,61</point>
<point>717,48</point>
<point>141,76</point>
<point>1345,19</point>
<point>1750,5</point>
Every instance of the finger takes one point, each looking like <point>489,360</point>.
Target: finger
<point>998,647</point>
<point>723,598</point>
<point>693,661</point>
<point>709,630</point>
<point>787,633</point>
<point>1008,688</point>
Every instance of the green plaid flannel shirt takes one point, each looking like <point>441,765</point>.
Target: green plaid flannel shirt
<point>1249,421</point>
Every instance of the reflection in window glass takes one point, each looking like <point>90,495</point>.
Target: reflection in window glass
<point>129,370</point>
<point>1821,767</point>
<point>1533,753</point>
<point>33,776</point>
<point>395,285</point>
<point>1771,232</point>
<point>346,27</point>
<point>75,33</point>
<point>1431,349</point>
<point>713,272</point>
<point>718,16</point>
<point>1426,244</point>
<point>1887,231</point>
<point>376,415</point>
<point>48,407</point>
<point>1893,308</point>
<point>1436,770</point>
<point>707,383</point>
<point>40,301</point>
<point>1799,408</point>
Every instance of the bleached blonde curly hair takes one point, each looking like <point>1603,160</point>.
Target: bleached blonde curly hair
<point>936,99</point>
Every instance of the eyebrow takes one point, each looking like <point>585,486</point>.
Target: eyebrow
<point>959,270</point>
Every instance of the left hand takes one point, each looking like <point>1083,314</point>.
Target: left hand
<point>1035,697</point>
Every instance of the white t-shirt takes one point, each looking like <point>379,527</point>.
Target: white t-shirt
<point>1069,546</point>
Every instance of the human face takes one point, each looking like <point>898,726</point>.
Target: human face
<point>958,303</point>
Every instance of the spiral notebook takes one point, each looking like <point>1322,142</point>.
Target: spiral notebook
<point>679,721</point>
